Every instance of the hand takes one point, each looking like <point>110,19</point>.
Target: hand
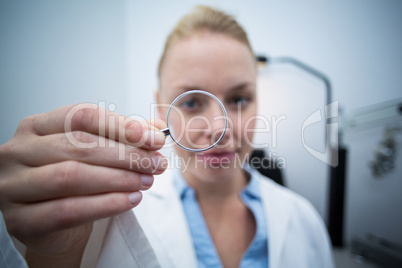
<point>54,183</point>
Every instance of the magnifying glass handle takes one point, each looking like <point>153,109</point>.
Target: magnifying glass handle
<point>166,131</point>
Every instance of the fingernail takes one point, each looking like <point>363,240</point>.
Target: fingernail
<point>147,180</point>
<point>135,198</point>
<point>154,137</point>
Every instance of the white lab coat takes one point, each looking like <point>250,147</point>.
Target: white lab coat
<point>296,233</point>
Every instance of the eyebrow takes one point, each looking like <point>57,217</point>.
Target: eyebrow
<point>187,88</point>
<point>240,87</point>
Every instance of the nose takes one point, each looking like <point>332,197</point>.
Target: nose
<point>218,120</point>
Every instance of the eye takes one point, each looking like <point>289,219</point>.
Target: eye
<point>238,101</point>
<point>190,105</point>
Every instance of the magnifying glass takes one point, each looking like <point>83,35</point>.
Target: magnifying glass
<point>196,121</point>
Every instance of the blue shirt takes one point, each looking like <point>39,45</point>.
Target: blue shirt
<point>257,253</point>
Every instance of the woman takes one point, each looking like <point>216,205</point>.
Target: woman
<point>233,215</point>
<point>213,212</point>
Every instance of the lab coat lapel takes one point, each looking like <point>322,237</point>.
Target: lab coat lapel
<point>170,226</point>
<point>277,216</point>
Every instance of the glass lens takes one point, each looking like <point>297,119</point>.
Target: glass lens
<point>197,120</point>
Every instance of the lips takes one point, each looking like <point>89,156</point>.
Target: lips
<point>216,157</point>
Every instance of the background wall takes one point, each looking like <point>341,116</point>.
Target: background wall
<point>60,52</point>
<point>55,53</point>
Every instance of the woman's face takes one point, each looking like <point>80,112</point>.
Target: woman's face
<point>226,68</point>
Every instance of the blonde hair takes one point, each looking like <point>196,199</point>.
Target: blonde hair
<point>205,18</point>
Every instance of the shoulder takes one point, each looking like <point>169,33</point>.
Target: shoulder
<point>287,198</point>
<point>299,209</point>
<point>297,219</point>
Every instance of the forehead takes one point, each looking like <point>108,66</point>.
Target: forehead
<point>207,61</point>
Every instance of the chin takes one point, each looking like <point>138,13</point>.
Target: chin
<point>214,175</point>
<point>220,168</point>
<point>214,165</point>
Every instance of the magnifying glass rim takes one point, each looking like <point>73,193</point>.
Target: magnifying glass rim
<point>208,94</point>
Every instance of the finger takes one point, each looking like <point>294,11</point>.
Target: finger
<point>157,123</point>
<point>85,148</point>
<point>96,120</point>
<point>71,178</point>
<point>47,217</point>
